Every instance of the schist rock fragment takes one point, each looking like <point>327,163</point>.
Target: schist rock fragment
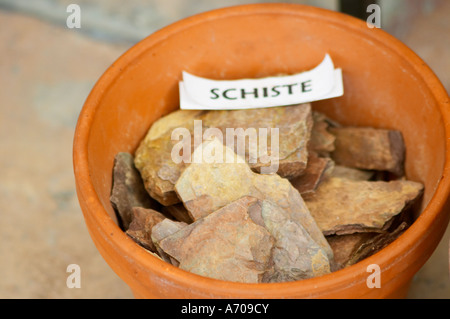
<point>226,245</point>
<point>128,189</point>
<point>317,170</point>
<point>369,148</point>
<point>294,124</point>
<point>140,229</point>
<point>344,247</point>
<point>162,230</point>
<point>177,211</point>
<point>295,254</point>
<point>352,173</point>
<point>153,157</point>
<point>206,187</point>
<point>321,141</point>
<point>375,244</point>
<point>352,248</point>
<point>166,228</point>
<point>342,206</point>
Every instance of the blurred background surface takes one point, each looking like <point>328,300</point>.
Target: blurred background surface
<point>46,73</point>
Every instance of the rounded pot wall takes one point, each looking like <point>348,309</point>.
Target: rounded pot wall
<point>386,86</point>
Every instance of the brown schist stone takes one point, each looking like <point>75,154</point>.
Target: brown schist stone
<point>153,157</point>
<point>177,211</point>
<point>351,173</point>
<point>350,249</point>
<point>322,141</point>
<point>295,254</point>
<point>375,244</point>
<point>369,148</point>
<point>344,247</point>
<point>294,124</point>
<point>318,168</point>
<point>164,229</point>
<point>226,245</point>
<point>342,206</point>
<point>140,229</point>
<point>128,189</point>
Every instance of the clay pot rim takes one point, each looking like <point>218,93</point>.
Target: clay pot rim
<point>311,287</point>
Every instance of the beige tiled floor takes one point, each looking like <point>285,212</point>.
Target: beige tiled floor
<point>46,72</point>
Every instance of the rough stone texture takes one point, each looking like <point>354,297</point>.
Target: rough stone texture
<point>206,187</point>
<point>375,244</point>
<point>177,211</point>
<point>128,189</point>
<point>369,148</point>
<point>296,255</point>
<point>317,170</point>
<point>322,141</point>
<point>226,245</point>
<point>344,246</point>
<point>351,173</point>
<point>166,228</point>
<point>352,248</point>
<point>294,124</point>
<point>342,206</point>
<point>153,158</point>
<point>166,124</point>
<point>162,230</point>
<point>140,229</point>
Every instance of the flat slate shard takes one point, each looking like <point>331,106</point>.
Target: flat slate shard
<point>352,173</point>
<point>350,249</point>
<point>226,245</point>
<point>345,246</point>
<point>206,187</point>
<point>342,206</point>
<point>162,230</point>
<point>369,148</point>
<point>322,141</point>
<point>140,229</point>
<point>128,189</point>
<point>154,156</point>
<point>289,167</point>
<point>295,254</point>
<point>375,244</point>
<point>294,123</point>
<point>169,122</point>
<point>318,168</point>
<point>178,211</point>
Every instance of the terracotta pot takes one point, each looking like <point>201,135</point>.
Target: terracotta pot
<point>386,86</point>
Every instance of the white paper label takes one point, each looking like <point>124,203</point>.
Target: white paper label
<point>322,82</point>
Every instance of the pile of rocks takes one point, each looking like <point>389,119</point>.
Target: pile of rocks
<point>339,195</point>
